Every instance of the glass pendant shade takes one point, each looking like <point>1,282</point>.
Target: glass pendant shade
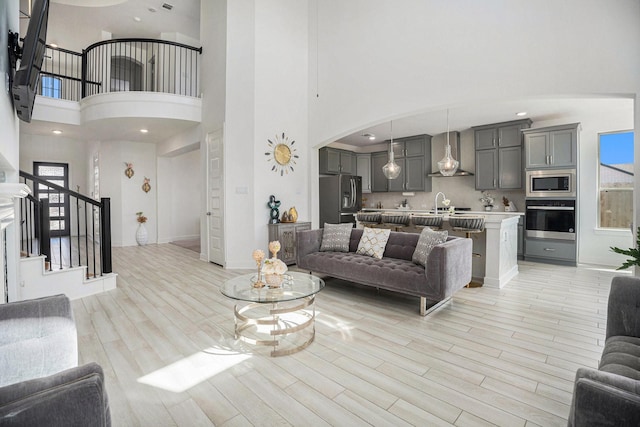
<point>391,170</point>
<point>448,165</point>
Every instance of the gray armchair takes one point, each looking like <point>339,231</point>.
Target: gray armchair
<point>610,396</point>
<point>40,382</point>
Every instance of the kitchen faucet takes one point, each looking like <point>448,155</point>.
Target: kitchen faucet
<point>435,201</point>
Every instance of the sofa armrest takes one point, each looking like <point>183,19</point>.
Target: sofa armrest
<point>75,397</point>
<point>307,241</point>
<point>38,338</point>
<point>448,267</point>
<point>602,398</point>
<point>623,315</point>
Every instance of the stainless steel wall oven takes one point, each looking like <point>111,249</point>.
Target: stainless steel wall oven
<point>551,219</point>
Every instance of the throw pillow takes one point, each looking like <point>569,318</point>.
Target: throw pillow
<point>428,239</point>
<point>335,237</point>
<point>373,242</point>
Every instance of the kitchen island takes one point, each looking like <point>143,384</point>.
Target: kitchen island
<point>497,245</point>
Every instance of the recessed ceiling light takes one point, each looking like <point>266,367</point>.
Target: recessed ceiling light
<point>137,18</point>
<point>370,136</point>
<point>521,113</point>
<point>56,131</point>
<point>153,10</point>
<point>53,45</point>
<point>144,130</point>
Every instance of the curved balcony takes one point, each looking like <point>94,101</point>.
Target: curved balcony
<point>121,65</point>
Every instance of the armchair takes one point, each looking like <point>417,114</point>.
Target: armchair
<point>40,382</point>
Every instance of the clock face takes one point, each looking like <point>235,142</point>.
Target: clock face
<point>282,153</point>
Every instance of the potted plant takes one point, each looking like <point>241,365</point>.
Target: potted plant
<point>487,200</point>
<point>634,253</point>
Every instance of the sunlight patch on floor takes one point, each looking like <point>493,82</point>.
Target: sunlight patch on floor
<point>191,371</point>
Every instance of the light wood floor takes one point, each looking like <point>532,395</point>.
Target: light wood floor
<point>491,357</point>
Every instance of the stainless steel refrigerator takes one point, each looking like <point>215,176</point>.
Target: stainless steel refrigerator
<point>340,198</point>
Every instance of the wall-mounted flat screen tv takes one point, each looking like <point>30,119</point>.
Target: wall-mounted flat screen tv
<point>25,80</point>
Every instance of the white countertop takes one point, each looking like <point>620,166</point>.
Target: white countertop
<point>430,211</point>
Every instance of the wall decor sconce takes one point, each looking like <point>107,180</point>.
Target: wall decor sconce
<point>146,187</point>
<point>129,170</point>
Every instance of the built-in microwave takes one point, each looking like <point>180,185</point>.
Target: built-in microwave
<point>551,183</point>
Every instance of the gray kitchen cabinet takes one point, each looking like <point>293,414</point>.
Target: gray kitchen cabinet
<point>363,169</point>
<point>551,251</point>
<point>486,167</point>
<point>285,233</point>
<point>552,147</point>
<point>379,182</point>
<point>334,161</point>
<point>499,155</point>
<point>413,155</point>
<point>510,168</point>
<point>413,146</point>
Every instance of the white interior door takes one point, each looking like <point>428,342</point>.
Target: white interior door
<point>215,198</point>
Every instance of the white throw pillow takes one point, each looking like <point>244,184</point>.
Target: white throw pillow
<point>373,242</point>
<point>335,237</point>
<point>428,239</point>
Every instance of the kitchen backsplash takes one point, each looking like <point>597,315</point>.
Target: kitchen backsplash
<point>460,190</point>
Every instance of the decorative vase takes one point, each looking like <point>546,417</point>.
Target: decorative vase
<point>293,214</point>
<point>141,235</point>
<point>273,280</point>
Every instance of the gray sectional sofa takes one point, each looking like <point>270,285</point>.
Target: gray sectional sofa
<point>40,381</point>
<point>610,395</point>
<point>447,270</point>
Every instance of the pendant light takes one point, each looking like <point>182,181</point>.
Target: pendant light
<point>448,165</point>
<point>391,170</point>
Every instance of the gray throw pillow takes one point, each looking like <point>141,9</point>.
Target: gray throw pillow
<point>335,237</point>
<point>428,239</point>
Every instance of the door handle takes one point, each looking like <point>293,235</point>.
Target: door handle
<point>208,213</point>
<point>549,249</point>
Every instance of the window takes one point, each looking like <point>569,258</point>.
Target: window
<point>616,180</point>
<point>50,86</point>
<point>58,174</point>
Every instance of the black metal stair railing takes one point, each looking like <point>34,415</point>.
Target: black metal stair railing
<point>87,237</point>
<point>121,65</point>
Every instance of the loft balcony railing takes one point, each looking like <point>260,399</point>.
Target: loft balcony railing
<point>121,65</point>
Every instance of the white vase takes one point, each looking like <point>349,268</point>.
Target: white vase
<point>141,235</point>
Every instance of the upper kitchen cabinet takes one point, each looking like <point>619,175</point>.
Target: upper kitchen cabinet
<point>334,161</point>
<point>413,146</point>
<point>500,134</point>
<point>551,147</point>
<point>379,182</point>
<point>499,155</point>
<point>363,169</point>
<point>413,155</point>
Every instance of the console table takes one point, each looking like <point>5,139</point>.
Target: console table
<point>285,232</point>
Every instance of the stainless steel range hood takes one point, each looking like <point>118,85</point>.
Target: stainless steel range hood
<point>454,140</point>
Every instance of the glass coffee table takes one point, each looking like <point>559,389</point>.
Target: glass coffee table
<point>282,318</point>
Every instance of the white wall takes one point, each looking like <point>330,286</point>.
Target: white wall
<point>126,194</point>
<point>186,187</point>
<point>9,145</point>
<point>281,106</point>
<point>213,36</point>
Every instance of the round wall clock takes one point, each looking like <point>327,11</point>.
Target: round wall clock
<point>283,154</point>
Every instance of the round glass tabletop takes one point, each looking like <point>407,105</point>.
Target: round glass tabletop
<point>295,286</point>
